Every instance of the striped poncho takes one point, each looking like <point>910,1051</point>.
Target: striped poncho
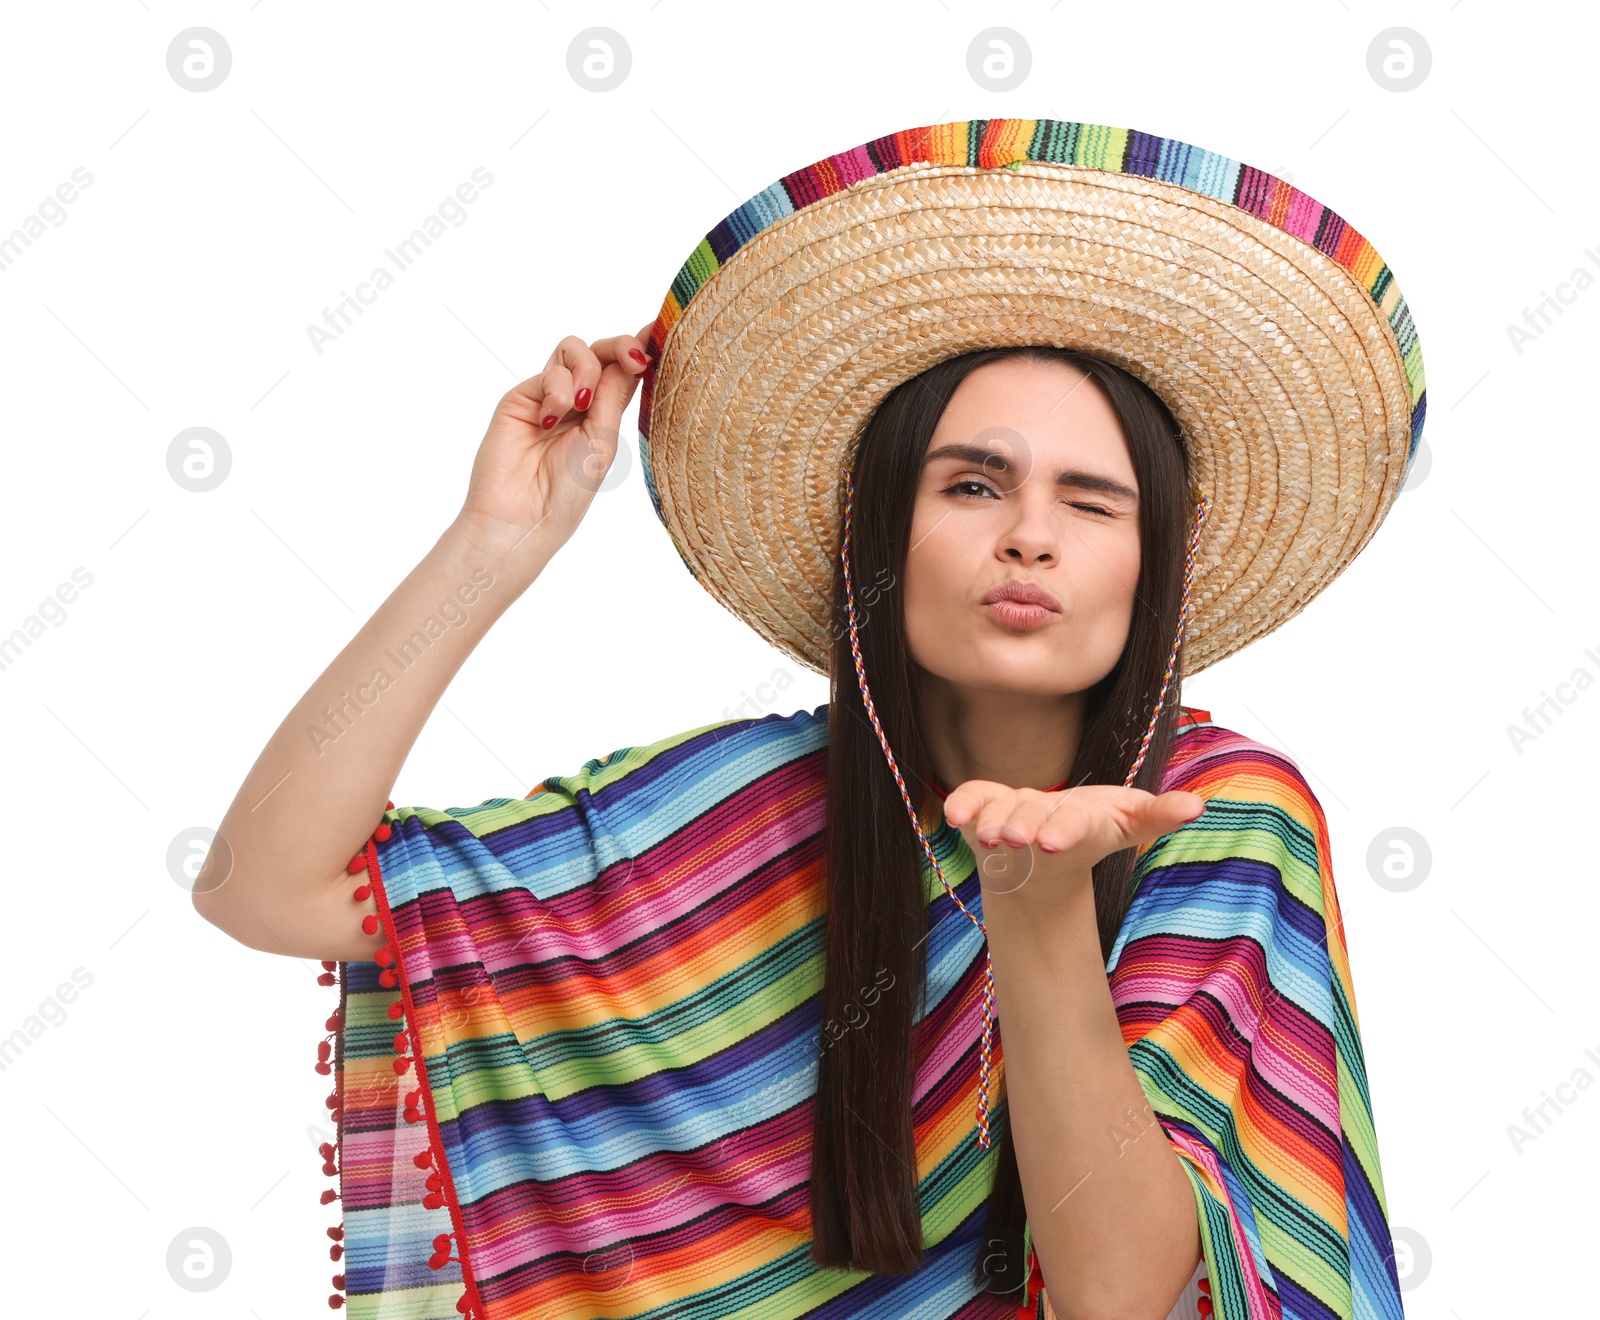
<point>577,1079</point>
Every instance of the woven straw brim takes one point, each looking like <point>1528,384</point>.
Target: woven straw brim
<point>1283,372</point>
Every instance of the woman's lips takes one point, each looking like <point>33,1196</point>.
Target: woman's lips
<point>1025,618</point>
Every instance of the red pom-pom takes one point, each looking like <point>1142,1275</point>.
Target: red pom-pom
<point>369,923</point>
<point>434,1183</point>
<point>383,957</point>
<point>328,964</point>
<point>438,1260</point>
<point>338,1282</point>
<point>442,1243</point>
<point>400,1043</point>
<point>323,1068</point>
<point>396,1010</point>
<point>400,1065</point>
<point>412,1114</point>
<point>1205,1306</point>
<point>337,1232</point>
<point>432,1201</point>
<point>363,893</point>
<point>335,1301</point>
<point>388,806</point>
<point>324,1048</point>
<point>1205,1284</point>
<point>332,1101</point>
<point>358,863</point>
<point>329,1195</point>
<point>333,1023</point>
<point>462,1304</point>
<point>335,1251</point>
<point>423,1159</point>
<point>414,1097</point>
<point>330,1168</point>
<point>381,834</point>
<point>327,978</point>
<point>390,978</point>
<point>326,1150</point>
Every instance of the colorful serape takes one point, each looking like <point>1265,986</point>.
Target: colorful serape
<point>577,1080</point>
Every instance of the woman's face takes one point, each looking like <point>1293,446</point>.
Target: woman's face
<point>1027,479</point>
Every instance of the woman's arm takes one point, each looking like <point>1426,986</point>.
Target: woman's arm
<point>275,877</point>
<point>1110,1207</point>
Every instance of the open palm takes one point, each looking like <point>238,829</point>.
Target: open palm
<point>1063,833</point>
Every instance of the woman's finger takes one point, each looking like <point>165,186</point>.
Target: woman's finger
<point>557,397</point>
<point>988,825</point>
<point>1029,811</point>
<point>969,798</point>
<point>627,351</point>
<point>1149,816</point>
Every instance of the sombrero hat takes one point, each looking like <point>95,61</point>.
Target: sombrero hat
<point>1270,327</point>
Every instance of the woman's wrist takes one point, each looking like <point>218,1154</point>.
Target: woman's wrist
<point>474,543</point>
<point>1028,894</point>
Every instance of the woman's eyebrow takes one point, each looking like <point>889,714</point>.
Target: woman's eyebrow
<point>993,460</point>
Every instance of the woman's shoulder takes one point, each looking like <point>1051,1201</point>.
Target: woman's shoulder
<point>1207,756</point>
<point>722,754</point>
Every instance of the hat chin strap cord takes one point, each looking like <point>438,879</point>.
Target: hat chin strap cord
<point>1202,508</point>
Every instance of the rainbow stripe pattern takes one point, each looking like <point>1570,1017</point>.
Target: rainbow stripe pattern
<point>999,143</point>
<point>578,1080</point>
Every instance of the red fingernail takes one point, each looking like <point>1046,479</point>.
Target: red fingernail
<point>582,399</point>
<point>550,421</point>
<point>636,355</point>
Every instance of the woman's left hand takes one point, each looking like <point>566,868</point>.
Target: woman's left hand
<point>1065,833</point>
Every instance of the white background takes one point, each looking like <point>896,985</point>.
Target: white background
<point>177,1089</point>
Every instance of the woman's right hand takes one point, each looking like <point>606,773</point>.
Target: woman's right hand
<point>549,445</point>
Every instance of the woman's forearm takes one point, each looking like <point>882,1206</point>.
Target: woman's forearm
<point>320,784</point>
<point>1110,1207</point>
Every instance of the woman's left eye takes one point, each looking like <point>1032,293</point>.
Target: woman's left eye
<point>975,485</point>
<point>1093,508</point>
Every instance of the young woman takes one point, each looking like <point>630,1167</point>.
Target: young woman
<point>703,1028</point>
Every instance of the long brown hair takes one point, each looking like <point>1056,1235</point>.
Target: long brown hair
<point>864,1203</point>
